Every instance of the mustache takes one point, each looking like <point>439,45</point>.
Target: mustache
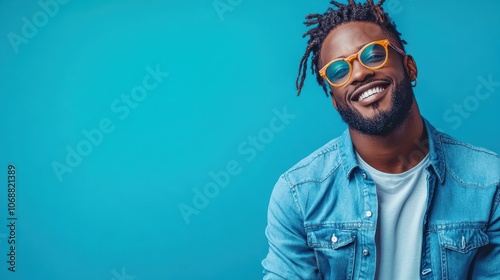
<point>370,81</point>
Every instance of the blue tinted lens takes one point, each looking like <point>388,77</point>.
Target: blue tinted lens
<point>338,72</point>
<point>373,56</point>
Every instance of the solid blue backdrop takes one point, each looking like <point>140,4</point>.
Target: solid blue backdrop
<point>147,135</point>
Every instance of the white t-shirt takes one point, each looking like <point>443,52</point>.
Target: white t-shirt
<point>401,205</point>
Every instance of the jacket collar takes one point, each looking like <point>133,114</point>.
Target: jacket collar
<point>436,153</point>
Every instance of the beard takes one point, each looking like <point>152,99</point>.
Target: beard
<point>384,122</point>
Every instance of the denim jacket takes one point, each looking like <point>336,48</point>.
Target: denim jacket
<point>327,195</point>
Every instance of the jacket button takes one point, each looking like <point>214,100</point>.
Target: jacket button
<point>334,238</point>
<point>363,175</point>
<point>426,271</point>
<point>366,252</point>
<point>368,214</point>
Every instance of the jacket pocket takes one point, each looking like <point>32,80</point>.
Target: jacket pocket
<point>463,240</point>
<point>458,248</point>
<point>334,250</point>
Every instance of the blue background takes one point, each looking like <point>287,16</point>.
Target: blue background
<point>116,215</point>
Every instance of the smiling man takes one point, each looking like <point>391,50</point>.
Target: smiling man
<point>391,198</point>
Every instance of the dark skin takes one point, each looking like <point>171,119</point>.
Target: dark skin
<point>384,153</point>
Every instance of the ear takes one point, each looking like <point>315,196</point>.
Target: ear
<point>411,67</point>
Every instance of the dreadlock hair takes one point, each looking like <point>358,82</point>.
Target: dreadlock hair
<point>367,12</point>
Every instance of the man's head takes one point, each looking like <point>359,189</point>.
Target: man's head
<point>371,89</point>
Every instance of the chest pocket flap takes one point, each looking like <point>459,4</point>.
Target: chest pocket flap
<point>462,240</point>
<point>329,237</point>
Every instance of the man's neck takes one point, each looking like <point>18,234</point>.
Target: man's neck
<point>397,152</point>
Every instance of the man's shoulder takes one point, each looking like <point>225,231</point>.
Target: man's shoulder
<point>318,165</point>
<point>459,149</point>
<point>469,163</point>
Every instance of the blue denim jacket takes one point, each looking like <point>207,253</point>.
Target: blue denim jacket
<point>327,194</point>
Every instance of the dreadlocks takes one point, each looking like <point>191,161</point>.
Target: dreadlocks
<point>368,12</point>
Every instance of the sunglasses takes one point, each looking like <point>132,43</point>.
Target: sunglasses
<point>372,56</point>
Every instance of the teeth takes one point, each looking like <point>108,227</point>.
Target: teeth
<point>370,92</point>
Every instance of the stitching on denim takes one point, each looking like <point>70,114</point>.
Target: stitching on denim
<point>317,263</point>
<point>452,141</point>
<point>497,202</point>
<point>352,263</point>
<point>343,225</point>
<point>318,180</point>
<point>427,252</point>
<point>462,225</point>
<point>320,153</point>
<point>327,245</point>
<point>293,192</point>
<point>480,240</point>
<point>438,148</point>
<point>471,184</point>
<point>345,237</point>
<point>333,170</point>
<point>444,267</point>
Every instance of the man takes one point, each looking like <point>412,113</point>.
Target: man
<point>392,198</point>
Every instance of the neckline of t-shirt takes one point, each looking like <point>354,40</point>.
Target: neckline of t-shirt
<point>408,172</point>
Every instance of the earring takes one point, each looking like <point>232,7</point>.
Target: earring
<point>414,83</point>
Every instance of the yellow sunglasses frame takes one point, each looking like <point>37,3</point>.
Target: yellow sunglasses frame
<point>384,43</point>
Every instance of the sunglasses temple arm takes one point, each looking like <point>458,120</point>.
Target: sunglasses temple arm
<point>400,51</point>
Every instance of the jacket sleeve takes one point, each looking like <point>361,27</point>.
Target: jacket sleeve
<point>289,256</point>
<point>486,264</point>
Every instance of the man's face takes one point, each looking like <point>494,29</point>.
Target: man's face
<point>382,112</point>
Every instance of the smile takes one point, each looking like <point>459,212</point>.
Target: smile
<point>370,92</point>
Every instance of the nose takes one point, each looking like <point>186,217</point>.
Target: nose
<point>359,72</point>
